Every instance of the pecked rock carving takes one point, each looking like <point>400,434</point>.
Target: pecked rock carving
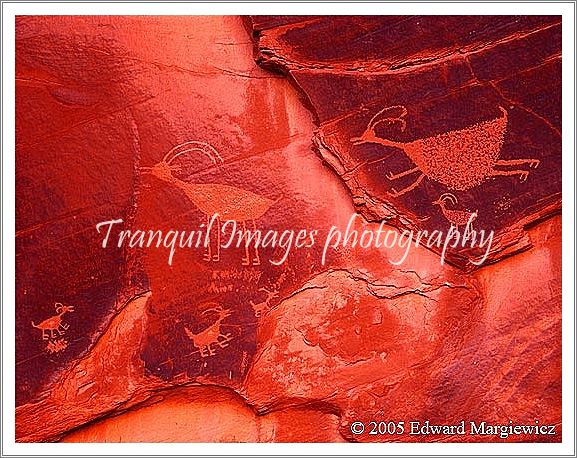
<point>456,105</point>
<point>299,351</point>
<point>212,336</point>
<point>459,159</point>
<point>222,201</point>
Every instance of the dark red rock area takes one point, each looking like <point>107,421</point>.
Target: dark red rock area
<point>478,114</point>
<point>110,341</point>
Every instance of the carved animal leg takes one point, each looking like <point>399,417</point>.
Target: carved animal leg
<point>53,334</point>
<point>396,193</point>
<point>533,163</point>
<point>45,334</point>
<point>226,338</point>
<point>392,176</point>
<point>206,351</point>
<point>223,344</point>
<point>246,258</point>
<point>523,174</point>
<point>216,257</point>
<point>367,137</point>
<point>256,259</point>
<point>254,308</point>
<point>208,253</point>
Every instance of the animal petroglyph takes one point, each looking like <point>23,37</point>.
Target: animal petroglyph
<point>54,326</point>
<point>212,336</point>
<point>264,306</point>
<point>228,202</point>
<point>459,159</point>
<point>455,217</point>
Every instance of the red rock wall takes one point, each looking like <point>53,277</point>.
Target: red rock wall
<point>109,340</point>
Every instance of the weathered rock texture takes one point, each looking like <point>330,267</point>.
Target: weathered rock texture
<point>468,106</point>
<point>123,345</point>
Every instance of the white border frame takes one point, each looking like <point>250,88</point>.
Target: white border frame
<point>11,9</point>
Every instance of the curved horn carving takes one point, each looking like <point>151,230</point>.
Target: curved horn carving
<point>450,197</point>
<point>192,146</point>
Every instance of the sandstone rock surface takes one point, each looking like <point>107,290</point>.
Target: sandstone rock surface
<point>101,100</point>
